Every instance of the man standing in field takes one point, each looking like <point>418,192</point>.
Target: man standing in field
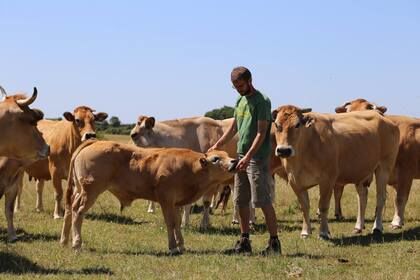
<point>252,120</point>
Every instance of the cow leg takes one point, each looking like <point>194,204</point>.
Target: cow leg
<point>82,204</point>
<point>151,208</point>
<point>39,191</point>
<point>178,234</point>
<point>169,214</point>
<point>303,198</point>
<point>19,186</point>
<point>186,215</point>
<point>58,209</point>
<point>65,232</point>
<point>381,182</point>
<point>205,222</point>
<point>338,194</point>
<point>10,197</point>
<point>362,196</point>
<point>403,191</point>
<point>325,193</point>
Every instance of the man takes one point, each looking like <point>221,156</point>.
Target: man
<point>252,120</point>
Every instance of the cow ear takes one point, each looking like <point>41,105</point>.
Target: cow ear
<point>150,123</point>
<point>308,121</point>
<point>203,162</point>
<point>274,115</point>
<point>38,114</point>
<point>100,117</point>
<point>382,109</point>
<point>341,109</point>
<point>68,116</point>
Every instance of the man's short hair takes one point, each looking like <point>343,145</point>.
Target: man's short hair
<point>240,73</point>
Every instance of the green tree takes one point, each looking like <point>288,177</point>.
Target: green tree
<point>220,114</point>
<point>114,121</point>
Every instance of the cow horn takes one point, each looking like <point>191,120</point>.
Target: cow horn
<point>28,101</point>
<point>306,110</point>
<point>3,94</point>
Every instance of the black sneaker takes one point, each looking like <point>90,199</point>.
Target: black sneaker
<point>242,246</point>
<point>273,248</point>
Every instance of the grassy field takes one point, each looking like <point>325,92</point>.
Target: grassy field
<point>134,245</point>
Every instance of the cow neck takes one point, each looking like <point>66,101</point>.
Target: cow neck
<point>73,137</point>
<point>167,136</point>
<point>303,148</point>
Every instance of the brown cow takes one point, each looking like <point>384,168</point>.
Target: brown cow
<point>196,133</point>
<point>326,149</point>
<point>20,139</point>
<point>11,175</point>
<point>407,166</point>
<point>63,137</point>
<point>173,177</point>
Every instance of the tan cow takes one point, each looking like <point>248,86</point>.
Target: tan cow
<point>20,139</point>
<point>327,149</point>
<point>407,166</point>
<point>173,177</point>
<point>63,137</point>
<point>11,173</point>
<point>197,134</point>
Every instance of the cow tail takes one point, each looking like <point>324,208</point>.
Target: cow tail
<point>70,179</point>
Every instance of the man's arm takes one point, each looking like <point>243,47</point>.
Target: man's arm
<point>256,144</point>
<point>226,137</point>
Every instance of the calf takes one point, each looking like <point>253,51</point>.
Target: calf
<point>173,177</point>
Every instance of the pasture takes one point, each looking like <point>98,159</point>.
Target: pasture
<point>134,245</point>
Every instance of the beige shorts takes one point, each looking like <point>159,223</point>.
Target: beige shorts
<point>255,184</point>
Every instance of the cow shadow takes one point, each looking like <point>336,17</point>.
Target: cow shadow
<point>14,264</point>
<point>412,234</point>
<point>113,218</point>
<point>26,237</point>
<point>142,252</point>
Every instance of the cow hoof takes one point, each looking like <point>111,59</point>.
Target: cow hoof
<point>39,210</point>
<point>324,236</point>
<point>181,249</point>
<point>376,231</point>
<point>57,217</point>
<point>12,239</point>
<point>339,217</point>
<point>174,252</point>
<point>357,231</point>
<point>63,242</point>
<point>304,235</point>
<point>395,227</point>
<point>235,222</point>
<point>150,211</point>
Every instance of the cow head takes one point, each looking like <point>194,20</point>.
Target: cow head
<point>83,119</point>
<point>360,105</point>
<point>142,133</point>
<point>20,138</point>
<point>219,164</point>
<point>289,122</point>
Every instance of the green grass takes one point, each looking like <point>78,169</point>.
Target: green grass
<point>133,246</point>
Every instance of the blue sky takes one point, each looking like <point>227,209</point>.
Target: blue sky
<point>172,59</point>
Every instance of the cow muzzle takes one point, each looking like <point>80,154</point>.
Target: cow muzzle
<point>285,151</point>
<point>232,165</point>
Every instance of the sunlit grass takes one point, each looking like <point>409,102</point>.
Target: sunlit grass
<point>133,246</point>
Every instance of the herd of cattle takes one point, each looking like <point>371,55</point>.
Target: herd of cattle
<point>168,163</point>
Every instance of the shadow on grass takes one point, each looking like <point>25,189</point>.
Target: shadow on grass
<point>412,234</point>
<point>15,264</point>
<point>113,218</point>
<point>26,237</point>
<point>155,253</point>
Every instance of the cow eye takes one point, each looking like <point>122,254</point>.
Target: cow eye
<point>297,125</point>
<point>278,127</point>
<point>79,123</point>
<point>215,159</point>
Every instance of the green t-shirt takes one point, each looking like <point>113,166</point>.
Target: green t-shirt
<point>248,111</point>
